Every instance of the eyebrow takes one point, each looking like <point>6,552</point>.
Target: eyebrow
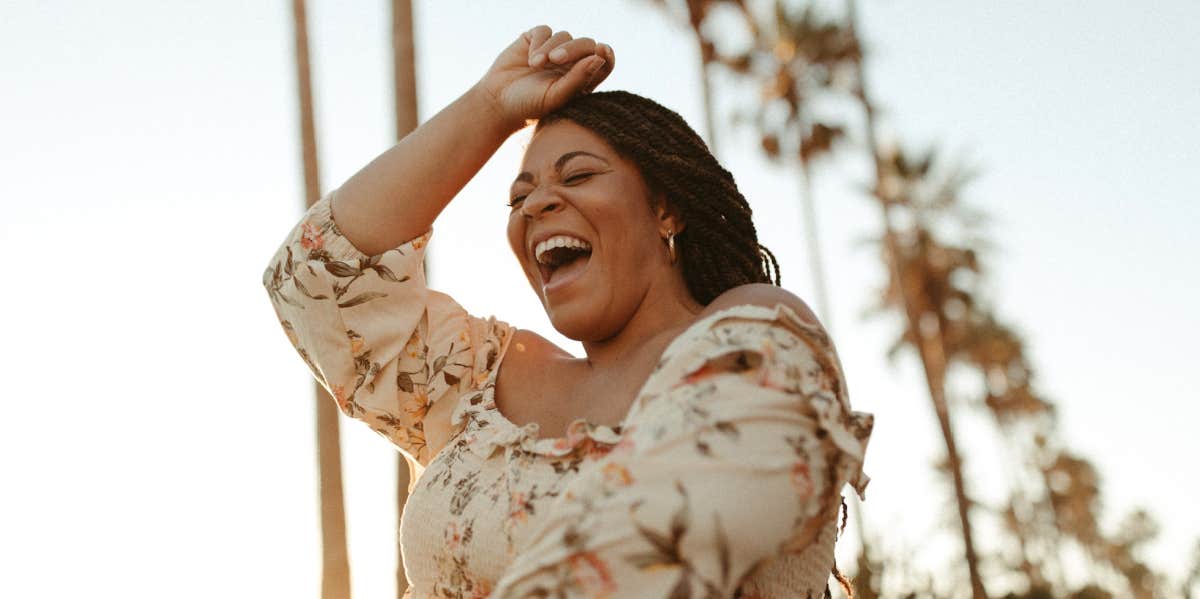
<point>527,177</point>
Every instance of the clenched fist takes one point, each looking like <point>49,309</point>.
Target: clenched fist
<point>541,71</point>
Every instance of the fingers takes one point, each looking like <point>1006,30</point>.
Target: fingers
<point>578,80</point>
<point>581,64</point>
<point>610,60</point>
<point>570,51</point>
<point>538,54</point>
<point>536,37</point>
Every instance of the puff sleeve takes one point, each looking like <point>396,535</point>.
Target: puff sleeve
<point>737,458</point>
<point>391,352</point>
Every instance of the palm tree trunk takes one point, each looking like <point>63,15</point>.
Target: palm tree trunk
<point>825,313</point>
<point>335,563</point>
<point>404,70</point>
<point>695,19</point>
<point>928,342</point>
<point>405,79</point>
<point>710,124</point>
<point>816,262</point>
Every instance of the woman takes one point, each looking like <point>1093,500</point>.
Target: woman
<point>700,447</point>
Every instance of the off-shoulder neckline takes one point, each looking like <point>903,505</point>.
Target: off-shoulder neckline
<point>580,430</point>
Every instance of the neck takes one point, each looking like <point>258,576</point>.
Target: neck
<point>661,315</point>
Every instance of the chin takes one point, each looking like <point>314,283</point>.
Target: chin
<point>576,325</point>
<point>582,321</point>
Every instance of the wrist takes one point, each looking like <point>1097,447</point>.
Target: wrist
<point>485,103</point>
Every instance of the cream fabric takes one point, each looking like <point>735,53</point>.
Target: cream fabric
<point>723,480</point>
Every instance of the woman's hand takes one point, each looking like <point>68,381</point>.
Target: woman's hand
<point>398,195</point>
<point>541,71</point>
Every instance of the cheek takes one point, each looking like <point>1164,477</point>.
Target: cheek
<point>633,237</point>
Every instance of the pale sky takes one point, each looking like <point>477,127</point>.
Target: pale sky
<point>158,433</point>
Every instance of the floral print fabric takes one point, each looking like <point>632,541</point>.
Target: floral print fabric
<point>723,480</point>
<point>361,324</point>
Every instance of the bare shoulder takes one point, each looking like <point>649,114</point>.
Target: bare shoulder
<point>527,353</point>
<point>531,377</point>
<point>761,294</point>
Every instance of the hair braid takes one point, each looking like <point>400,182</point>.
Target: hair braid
<point>719,248</point>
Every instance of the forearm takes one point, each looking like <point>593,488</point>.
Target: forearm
<point>397,196</point>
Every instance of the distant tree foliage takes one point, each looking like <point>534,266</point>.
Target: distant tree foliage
<point>804,62</point>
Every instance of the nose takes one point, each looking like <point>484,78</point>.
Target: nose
<point>541,201</point>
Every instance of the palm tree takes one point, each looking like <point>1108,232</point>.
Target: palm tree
<point>934,286</point>
<point>697,10</point>
<point>405,80</point>
<point>949,322</point>
<point>335,563</point>
<point>925,327</point>
<point>792,56</point>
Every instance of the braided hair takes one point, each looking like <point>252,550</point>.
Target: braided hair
<point>719,247</point>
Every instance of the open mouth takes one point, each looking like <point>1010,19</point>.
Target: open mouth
<point>561,257</point>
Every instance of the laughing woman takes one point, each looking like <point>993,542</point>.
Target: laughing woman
<point>700,447</point>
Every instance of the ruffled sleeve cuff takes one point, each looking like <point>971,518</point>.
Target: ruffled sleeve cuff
<point>320,231</point>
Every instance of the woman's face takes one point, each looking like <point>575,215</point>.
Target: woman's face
<point>575,191</point>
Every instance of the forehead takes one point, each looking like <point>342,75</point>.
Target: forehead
<point>560,137</point>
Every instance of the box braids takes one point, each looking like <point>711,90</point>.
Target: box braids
<point>719,247</point>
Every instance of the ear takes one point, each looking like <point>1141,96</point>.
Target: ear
<point>669,218</point>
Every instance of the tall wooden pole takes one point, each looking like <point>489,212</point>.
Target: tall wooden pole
<point>404,69</point>
<point>335,563</point>
<point>927,338</point>
<point>404,75</point>
<point>696,13</point>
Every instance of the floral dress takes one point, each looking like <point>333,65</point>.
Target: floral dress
<point>723,480</point>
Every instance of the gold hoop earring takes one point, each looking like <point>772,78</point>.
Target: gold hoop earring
<point>671,246</point>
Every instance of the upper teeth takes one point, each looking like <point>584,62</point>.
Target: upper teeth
<point>559,241</point>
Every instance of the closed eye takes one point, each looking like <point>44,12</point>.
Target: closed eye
<point>516,201</point>
<point>577,178</point>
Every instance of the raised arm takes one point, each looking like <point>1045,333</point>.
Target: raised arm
<point>397,196</point>
<point>351,295</point>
